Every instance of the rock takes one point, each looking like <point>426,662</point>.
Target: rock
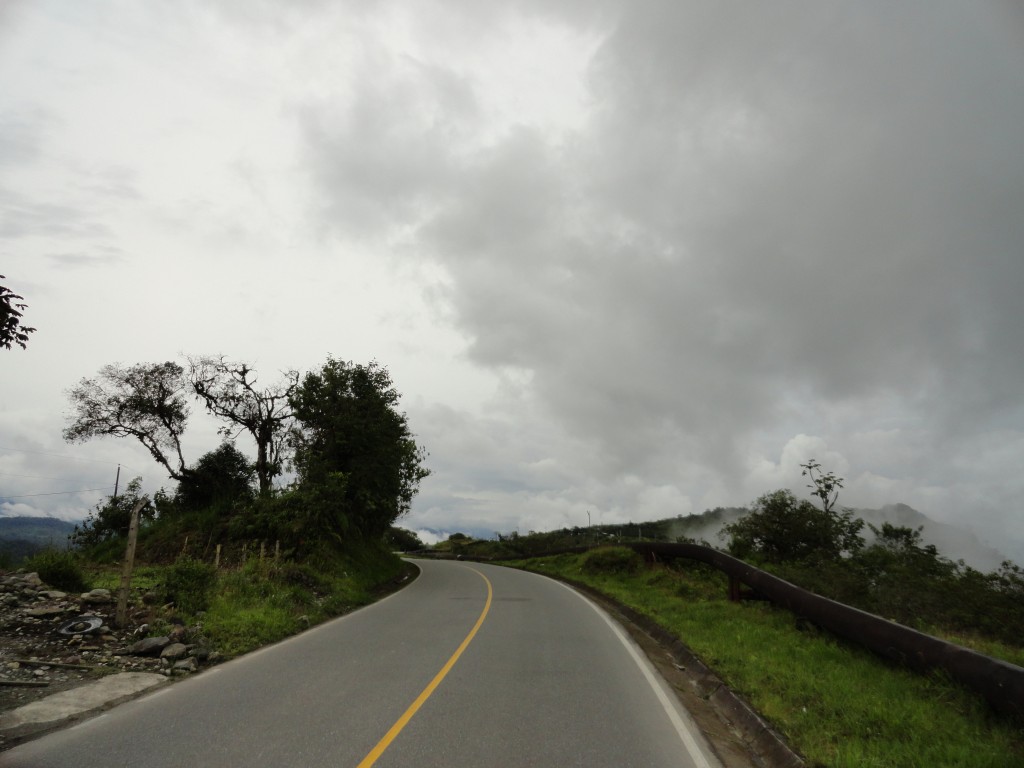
<point>44,613</point>
<point>185,665</point>
<point>97,597</point>
<point>32,579</point>
<point>150,646</point>
<point>173,651</point>
<point>53,594</point>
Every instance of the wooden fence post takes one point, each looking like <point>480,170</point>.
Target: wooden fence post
<point>129,563</point>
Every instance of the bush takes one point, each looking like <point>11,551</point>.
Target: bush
<point>781,529</point>
<point>58,568</point>
<point>611,560</point>
<point>111,518</point>
<point>189,585</point>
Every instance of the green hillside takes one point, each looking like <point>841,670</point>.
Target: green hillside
<point>22,537</point>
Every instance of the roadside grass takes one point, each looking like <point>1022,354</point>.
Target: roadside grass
<point>993,648</point>
<point>144,577</point>
<point>263,601</point>
<point>837,704</point>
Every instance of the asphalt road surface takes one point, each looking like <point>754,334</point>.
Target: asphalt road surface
<point>470,665</point>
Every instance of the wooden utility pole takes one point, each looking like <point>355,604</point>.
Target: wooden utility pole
<point>129,563</point>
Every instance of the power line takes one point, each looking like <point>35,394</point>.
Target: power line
<point>37,477</point>
<point>55,493</point>
<point>58,455</point>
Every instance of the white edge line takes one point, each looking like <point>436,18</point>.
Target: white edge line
<point>685,734</point>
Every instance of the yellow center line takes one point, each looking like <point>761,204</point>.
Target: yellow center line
<point>390,736</point>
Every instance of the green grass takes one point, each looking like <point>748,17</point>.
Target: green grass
<point>993,648</point>
<point>266,601</point>
<point>837,704</point>
<point>144,577</point>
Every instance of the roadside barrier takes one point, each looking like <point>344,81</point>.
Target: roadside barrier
<point>999,682</point>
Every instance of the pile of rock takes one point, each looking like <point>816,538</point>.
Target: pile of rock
<point>49,636</point>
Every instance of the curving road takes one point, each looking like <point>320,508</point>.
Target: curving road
<point>470,665</point>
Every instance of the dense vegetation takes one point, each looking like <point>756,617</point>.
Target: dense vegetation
<point>356,463</point>
<point>227,549</point>
<point>898,576</point>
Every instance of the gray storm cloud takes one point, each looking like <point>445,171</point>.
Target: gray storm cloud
<point>686,245</point>
<point>774,220</point>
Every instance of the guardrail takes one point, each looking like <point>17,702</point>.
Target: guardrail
<point>999,682</point>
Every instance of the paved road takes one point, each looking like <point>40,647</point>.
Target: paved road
<point>471,665</point>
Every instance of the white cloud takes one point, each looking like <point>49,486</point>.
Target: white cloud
<point>637,260</point>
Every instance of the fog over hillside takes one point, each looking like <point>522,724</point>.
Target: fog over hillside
<point>952,541</point>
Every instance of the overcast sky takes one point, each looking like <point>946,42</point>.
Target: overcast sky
<point>638,259</point>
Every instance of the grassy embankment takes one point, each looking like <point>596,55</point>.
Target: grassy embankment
<point>836,704</point>
<point>240,609</point>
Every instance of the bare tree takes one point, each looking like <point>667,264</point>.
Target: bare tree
<point>145,401</point>
<point>229,390</point>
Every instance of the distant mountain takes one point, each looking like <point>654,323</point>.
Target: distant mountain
<point>22,537</point>
<point>952,541</point>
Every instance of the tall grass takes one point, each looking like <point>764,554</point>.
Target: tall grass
<point>241,609</point>
<point>835,703</point>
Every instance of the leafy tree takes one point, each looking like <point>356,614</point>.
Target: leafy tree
<point>145,401</point>
<point>352,436</point>
<point>221,476</point>
<point>780,528</point>
<point>230,391</point>
<point>111,518</point>
<point>404,540</point>
<point>11,330</point>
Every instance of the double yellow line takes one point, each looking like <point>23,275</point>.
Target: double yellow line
<point>396,729</point>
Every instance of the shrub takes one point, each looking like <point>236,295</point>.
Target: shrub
<point>782,529</point>
<point>58,568</point>
<point>189,585</point>
<point>611,560</point>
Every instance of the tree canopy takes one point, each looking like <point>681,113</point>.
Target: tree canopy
<point>780,528</point>
<point>221,476</point>
<point>351,437</point>
<point>357,464</point>
<point>229,391</point>
<point>144,401</point>
<point>11,329</point>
